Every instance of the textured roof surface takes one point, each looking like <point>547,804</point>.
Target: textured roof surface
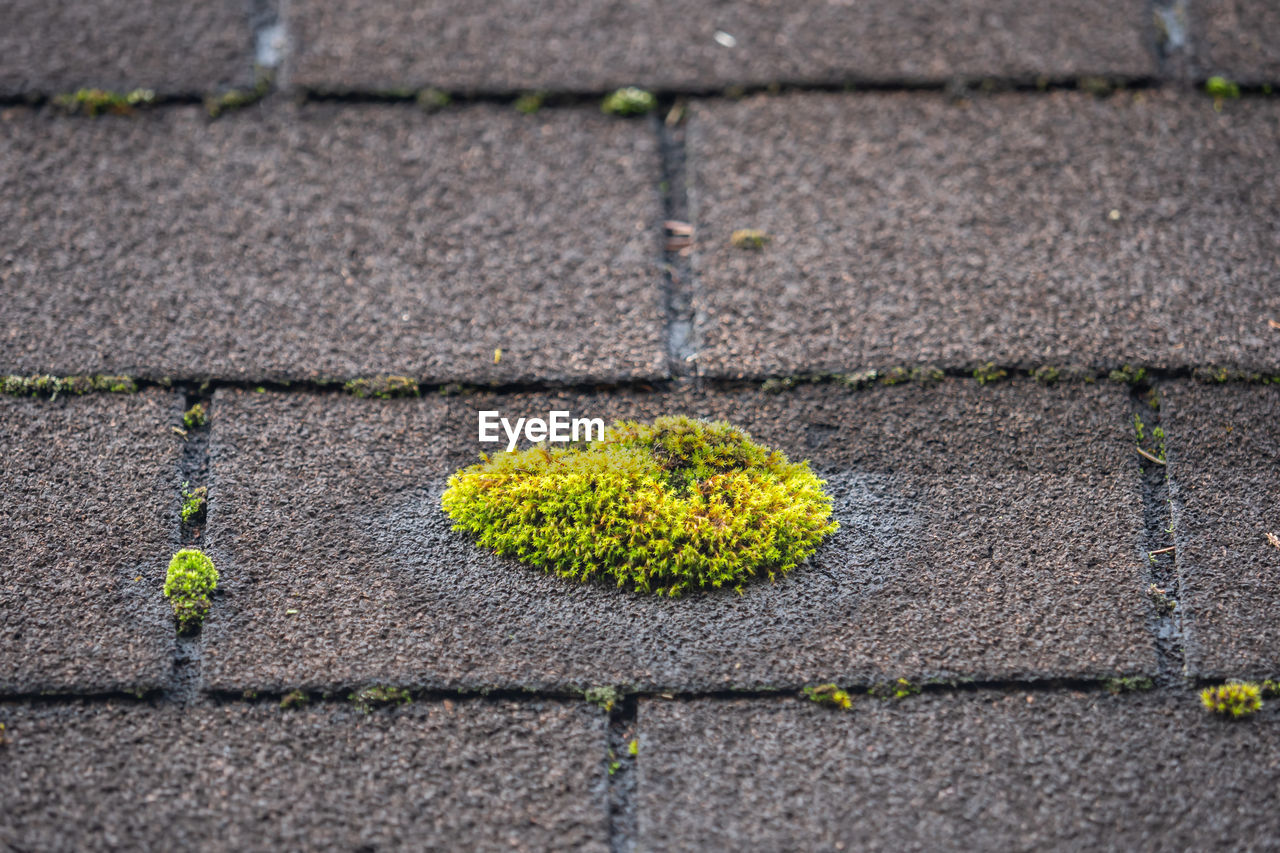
<point>1017,303</point>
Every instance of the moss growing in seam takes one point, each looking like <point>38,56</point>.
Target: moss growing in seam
<point>382,387</point>
<point>433,100</point>
<point>989,373</point>
<point>1233,699</point>
<point>196,416</point>
<point>1128,374</point>
<point>1128,685</point>
<point>829,694</point>
<point>294,699</point>
<point>40,384</point>
<point>1046,374</point>
<point>900,688</point>
<point>921,375</point>
<point>194,503</point>
<point>530,102</point>
<point>378,697</point>
<point>189,586</point>
<point>1221,87</point>
<point>666,507</point>
<point>604,697</point>
<point>93,102</point>
<point>235,99</point>
<point>629,102</point>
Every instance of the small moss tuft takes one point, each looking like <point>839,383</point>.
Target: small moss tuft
<point>94,102</point>
<point>530,102</point>
<point>1157,437</point>
<point>605,697</point>
<point>898,689</point>
<point>666,507</point>
<point>194,503</point>
<point>1233,699</point>
<point>383,387</point>
<point>433,100</point>
<point>859,378</point>
<point>115,384</point>
<point>829,694</point>
<point>236,99</point>
<point>895,376</point>
<point>1128,685</point>
<point>196,416</point>
<point>294,699</point>
<point>1221,87</point>
<point>989,373</point>
<point>780,384</point>
<point>189,584</point>
<point>921,375</point>
<point>1270,688</point>
<point>751,239</point>
<point>633,748</point>
<point>629,101</point>
<point>379,696</point>
<point>927,375</point>
<point>1128,374</point>
<point>1046,375</point>
<point>1098,86</point>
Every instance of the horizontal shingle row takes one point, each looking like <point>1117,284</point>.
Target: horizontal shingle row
<point>987,532</point>
<point>479,245</point>
<point>980,770</point>
<point>515,45</point>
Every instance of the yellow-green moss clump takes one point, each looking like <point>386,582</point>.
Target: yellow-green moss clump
<point>93,102</point>
<point>666,507</point>
<point>749,238</point>
<point>383,387</point>
<point>1233,699</point>
<point>1221,87</point>
<point>189,586</point>
<point>629,101</point>
<point>194,503</point>
<point>829,694</point>
<point>42,384</point>
<point>196,416</point>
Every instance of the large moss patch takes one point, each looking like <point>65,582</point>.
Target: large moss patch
<point>666,507</point>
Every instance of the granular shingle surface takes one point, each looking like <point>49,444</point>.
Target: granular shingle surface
<point>1023,229</point>
<point>1237,38</point>
<point>592,46</point>
<point>332,241</point>
<point>173,48</point>
<point>427,776</point>
<point>967,771</point>
<point>988,532</point>
<point>1002,239</point>
<point>87,521</point>
<point>1223,445</point>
